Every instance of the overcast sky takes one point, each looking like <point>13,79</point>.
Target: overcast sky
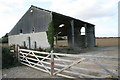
<point>102,13</point>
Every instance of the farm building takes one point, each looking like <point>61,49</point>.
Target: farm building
<point>30,31</point>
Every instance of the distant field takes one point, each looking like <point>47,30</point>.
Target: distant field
<point>107,41</point>
<point>99,42</point>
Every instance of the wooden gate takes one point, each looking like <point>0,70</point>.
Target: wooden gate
<point>70,65</point>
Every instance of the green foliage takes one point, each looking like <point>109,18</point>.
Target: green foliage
<point>6,35</point>
<point>8,59</point>
<point>50,35</point>
<point>40,49</point>
<point>4,39</point>
<point>62,38</point>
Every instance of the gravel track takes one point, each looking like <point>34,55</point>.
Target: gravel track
<point>27,72</point>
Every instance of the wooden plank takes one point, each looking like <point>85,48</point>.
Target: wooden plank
<point>73,55</point>
<point>37,60</point>
<point>26,50</point>
<point>79,68</point>
<point>35,67</point>
<point>86,56</point>
<point>67,55</point>
<point>45,57</point>
<point>59,58</point>
<point>50,58</point>
<point>75,73</point>
<point>76,62</point>
<point>45,67</point>
<point>41,61</point>
<point>34,63</point>
<point>38,65</point>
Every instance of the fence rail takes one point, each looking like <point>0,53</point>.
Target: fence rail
<point>69,65</point>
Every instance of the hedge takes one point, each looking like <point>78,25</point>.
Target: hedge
<point>8,59</point>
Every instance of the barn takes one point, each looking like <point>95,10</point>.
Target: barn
<point>30,30</point>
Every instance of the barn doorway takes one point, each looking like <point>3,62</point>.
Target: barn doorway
<point>61,41</point>
<point>60,37</point>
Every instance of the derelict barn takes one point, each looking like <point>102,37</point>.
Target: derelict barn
<point>30,31</point>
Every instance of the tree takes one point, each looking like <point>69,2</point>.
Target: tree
<point>50,35</point>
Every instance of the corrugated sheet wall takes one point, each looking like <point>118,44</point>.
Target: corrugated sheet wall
<point>33,21</point>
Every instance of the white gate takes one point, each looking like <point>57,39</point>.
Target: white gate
<point>70,65</point>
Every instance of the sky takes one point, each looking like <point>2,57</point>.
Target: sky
<point>102,13</point>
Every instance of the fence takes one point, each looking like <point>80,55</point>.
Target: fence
<point>70,65</point>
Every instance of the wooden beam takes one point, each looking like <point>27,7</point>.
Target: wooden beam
<point>74,63</point>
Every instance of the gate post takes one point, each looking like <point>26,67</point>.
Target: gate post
<point>52,63</point>
<point>17,52</point>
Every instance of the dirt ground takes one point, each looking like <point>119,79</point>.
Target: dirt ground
<point>23,72</point>
<point>27,72</point>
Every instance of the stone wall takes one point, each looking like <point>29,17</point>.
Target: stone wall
<point>23,39</point>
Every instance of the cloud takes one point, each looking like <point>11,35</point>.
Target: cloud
<point>102,13</point>
<point>105,26</point>
<point>11,11</point>
<point>98,12</point>
<point>85,9</point>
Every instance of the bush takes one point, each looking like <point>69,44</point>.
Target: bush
<point>8,59</point>
<point>4,39</point>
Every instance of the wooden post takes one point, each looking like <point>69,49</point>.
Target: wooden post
<point>17,53</point>
<point>56,41</point>
<point>52,63</point>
